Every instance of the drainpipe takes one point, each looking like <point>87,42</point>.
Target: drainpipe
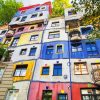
<point>69,61</point>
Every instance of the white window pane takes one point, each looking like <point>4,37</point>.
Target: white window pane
<point>17,73</point>
<point>23,72</point>
<point>1,72</point>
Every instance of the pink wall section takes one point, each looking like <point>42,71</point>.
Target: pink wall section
<point>37,88</point>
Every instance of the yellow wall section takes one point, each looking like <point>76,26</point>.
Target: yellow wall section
<point>29,71</point>
<point>25,38</point>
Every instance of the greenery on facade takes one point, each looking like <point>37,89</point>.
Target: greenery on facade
<point>91,16</point>
<point>7,9</point>
<point>3,50</point>
<point>59,6</point>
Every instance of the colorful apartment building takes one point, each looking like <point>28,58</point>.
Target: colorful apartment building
<point>52,57</point>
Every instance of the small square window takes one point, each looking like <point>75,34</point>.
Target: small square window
<point>22,12</point>
<point>1,72</point>
<point>55,24</point>
<point>15,41</point>
<point>7,41</point>
<point>38,8</point>
<point>23,18</point>
<point>45,71</point>
<point>32,27</point>
<point>62,97</point>
<point>3,32</point>
<point>20,70</point>
<point>59,49</point>
<point>55,34</point>
<point>32,51</point>
<point>41,14</point>
<point>40,24</point>
<point>18,18</point>
<point>49,50</point>
<point>57,70</point>
<point>43,7</point>
<point>20,29</point>
<point>23,52</point>
<point>34,15</point>
<point>34,37</point>
<point>80,68</point>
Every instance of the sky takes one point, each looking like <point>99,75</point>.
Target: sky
<point>32,2</point>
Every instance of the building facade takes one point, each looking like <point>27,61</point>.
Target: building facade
<point>52,57</point>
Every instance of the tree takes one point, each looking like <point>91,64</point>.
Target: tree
<point>59,6</point>
<point>7,9</point>
<point>91,16</point>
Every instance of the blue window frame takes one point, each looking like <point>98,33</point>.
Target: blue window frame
<point>76,47</point>
<point>57,71</point>
<point>23,18</point>
<point>49,50</point>
<point>91,49</point>
<point>45,71</point>
<point>32,51</point>
<point>59,49</point>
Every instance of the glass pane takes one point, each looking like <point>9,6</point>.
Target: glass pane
<point>1,72</point>
<point>17,72</point>
<point>23,72</point>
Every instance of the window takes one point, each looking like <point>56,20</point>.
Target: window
<point>1,72</point>
<point>15,41</point>
<point>12,94</point>
<point>7,41</point>
<point>20,70</point>
<point>80,68</point>
<point>23,52</point>
<point>91,49</point>
<point>90,94</point>
<point>86,30</point>
<point>34,15</point>
<point>59,49</point>
<point>18,18</point>
<point>20,29</point>
<point>43,7</point>
<point>32,51</point>
<point>55,24</point>
<point>55,34</point>
<point>95,65</point>
<point>47,95</point>
<point>38,8</point>
<point>45,71</point>
<point>62,97</point>
<point>23,18</point>
<point>72,12</point>
<point>1,39</point>
<point>49,50</point>
<point>34,37</point>
<point>57,71</point>
<point>22,12</point>
<point>32,27</point>
<point>40,24</point>
<point>3,32</point>
<point>76,46</point>
<point>41,14</point>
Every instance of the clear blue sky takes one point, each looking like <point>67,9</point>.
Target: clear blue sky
<point>32,2</point>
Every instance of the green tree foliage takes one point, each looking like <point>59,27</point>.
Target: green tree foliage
<point>59,6</point>
<point>91,16</point>
<point>7,9</point>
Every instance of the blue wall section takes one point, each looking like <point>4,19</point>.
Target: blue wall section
<point>79,54</point>
<point>30,11</point>
<point>54,55</point>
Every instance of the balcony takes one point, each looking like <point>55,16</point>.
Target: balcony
<point>96,76</point>
<point>75,35</point>
<point>10,33</point>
